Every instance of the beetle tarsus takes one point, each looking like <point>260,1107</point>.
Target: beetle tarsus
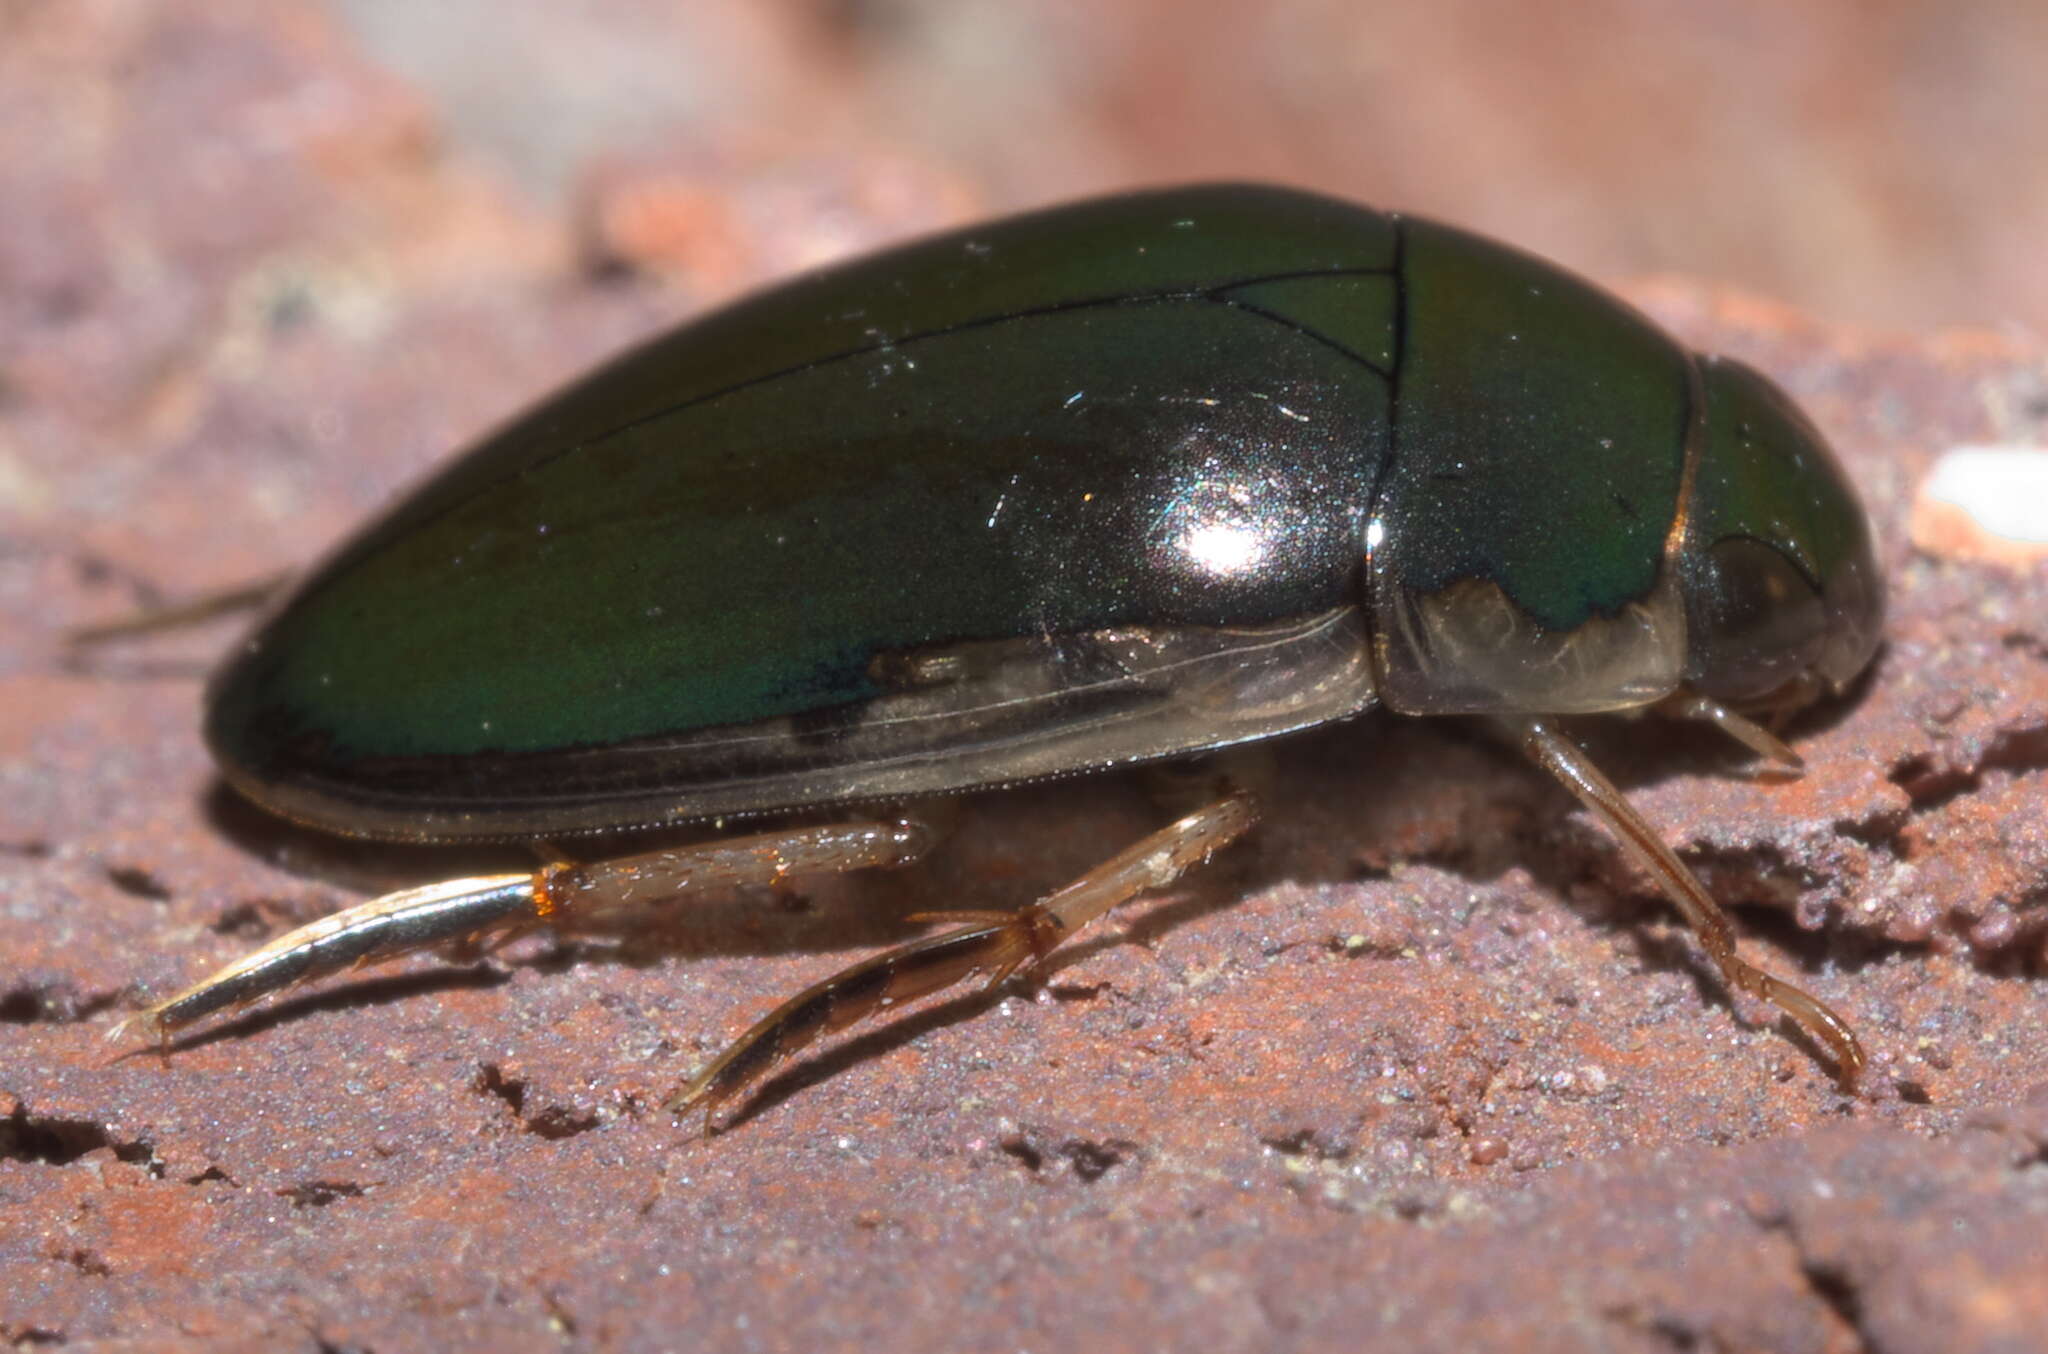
<point>1563,758</point>
<point>993,943</point>
<point>143,1024</point>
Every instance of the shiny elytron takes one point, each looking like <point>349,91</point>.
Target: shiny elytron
<point>1131,479</point>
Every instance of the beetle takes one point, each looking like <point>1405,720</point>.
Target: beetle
<point>1135,478</point>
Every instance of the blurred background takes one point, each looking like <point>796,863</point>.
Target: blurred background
<point>241,237</point>
<point>1879,162</point>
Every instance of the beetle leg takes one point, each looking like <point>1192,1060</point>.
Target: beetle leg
<point>472,911</point>
<point>1685,704</point>
<point>995,944</point>
<point>1564,759</point>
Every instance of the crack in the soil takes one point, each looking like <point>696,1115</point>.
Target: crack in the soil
<point>54,1003</point>
<point>52,1141</point>
<point>1929,784</point>
<point>320,1193</point>
<point>553,1122</point>
<point>138,882</point>
<point>1088,1159</point>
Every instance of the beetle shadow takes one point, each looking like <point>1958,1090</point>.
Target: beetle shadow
<point>1677,951</point>
<point>877,1042</point>
<point>361,993</point>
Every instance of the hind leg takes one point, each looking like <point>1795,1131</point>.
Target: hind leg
<point>474,911</point>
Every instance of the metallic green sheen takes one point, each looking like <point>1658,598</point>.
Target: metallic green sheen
<point>1766,476</point>
<point>1782,583</point>
<point>978,436</point>
<point>1540,437</point>
<point>1124,479</point>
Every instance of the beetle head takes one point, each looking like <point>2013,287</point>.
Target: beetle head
<point>1783,595</point>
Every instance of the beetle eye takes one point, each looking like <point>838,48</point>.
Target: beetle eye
<point>1755,623</point>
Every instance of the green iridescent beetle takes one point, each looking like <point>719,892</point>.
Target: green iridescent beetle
<point>1130,479</point>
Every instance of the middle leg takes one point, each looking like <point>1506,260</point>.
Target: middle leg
<point>996,944</point>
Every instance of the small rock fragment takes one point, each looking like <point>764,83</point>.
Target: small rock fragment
<point>1985,504</point>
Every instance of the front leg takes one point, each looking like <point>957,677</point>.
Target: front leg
<point>1561,757</point>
